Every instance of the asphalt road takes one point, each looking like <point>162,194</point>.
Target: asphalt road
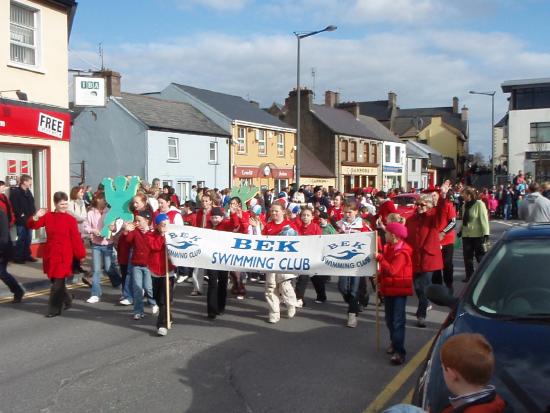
<point>96,358</point>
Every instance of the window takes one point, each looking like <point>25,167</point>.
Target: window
<point>173,149</point>
<point>23,34</point>
<point>201,184</point>
<point>354,151</point>
<point>397,154</point>
<point>166,183</point>
<point>387,157</point>
<point>344,150</point>
<point>241,141</point>
<point>260,137</point>
<point>184,188</point>
<point>413,165</point>
<point>281,144</point>
<point>366,152</point>
<point>213,152</point>
<point>280,184</point>
<point>540,132</point>
<point>373,153</point>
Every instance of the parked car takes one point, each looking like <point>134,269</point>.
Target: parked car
<point>404,203</point>
<point>508,302</point>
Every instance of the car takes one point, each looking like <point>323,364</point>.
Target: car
<point>508,302</point>
<point>404,203</point>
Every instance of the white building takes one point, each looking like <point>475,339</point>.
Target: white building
<point>417,168</point>
<point>529,127</point>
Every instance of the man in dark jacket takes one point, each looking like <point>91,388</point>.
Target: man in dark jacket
<point>5,252</point>
<point>22,201</point>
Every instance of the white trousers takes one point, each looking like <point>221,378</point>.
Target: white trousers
<point>279,285</point>
<point>198,278</point>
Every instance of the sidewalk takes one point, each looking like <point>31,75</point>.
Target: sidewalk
<point>32,278</point>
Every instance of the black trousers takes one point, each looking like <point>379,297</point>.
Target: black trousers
<point>58,296</point>
<point>446,275</point>
<point>319,283</point>
<point>472,247</point>
<point>159,294</point>
<point>216,296</point>
<point>301,285</point>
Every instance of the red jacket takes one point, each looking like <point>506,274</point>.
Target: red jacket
<point>424,238</point>
<point>202,219</point>
<point>242,222</point>
<point>396,271</point>
<point>5,205</point>
<point>311,229</point>
<point>63,243</point>
<point>157,255</point>
<point>271,228</point>
<point>497,405</point>
<point>385,209</point>
<point>448,216</point>
<point>123,249</point>
<point>140,244</point>
<point>227,225</point>
<point>190,219</point>
<point>336,214</point>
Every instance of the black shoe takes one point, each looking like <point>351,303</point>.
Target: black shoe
<point>86,281</point>
<point>397,359</point>
<point>465,280</point>
<point>50,315</point>
<point>18,297</point>
<point>31,259</point>
<point>212,316</point>
<point>19,261</point>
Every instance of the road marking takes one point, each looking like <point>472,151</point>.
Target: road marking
<point>400,378</point>
<point>409,397</point>
<point>45,291</point>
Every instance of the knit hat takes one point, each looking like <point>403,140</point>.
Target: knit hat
<point>398,230</point>
<point>160,218</point>
<point>323,215</point>
<point>294,208</point>
<point>282,195</point>
<point>145,214</point>
<point>217,211</point>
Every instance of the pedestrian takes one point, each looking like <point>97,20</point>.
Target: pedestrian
<point>395,278</point>
<point>336,211</point>
<point>77,208</point>
<point>165,207</point>
<point>349,286</point>
<point>103,258</point>
<point>241,222</point>
<point>535,208</point>
<point>22,201</point>
<point>447,237</point>
<point>5,204</point>
<point>306,227</point>
<point>474,232</point>
<point>138,235</point>
<point>325,224</point>
<point>62,244</point>
<point>88,196</point>
<point>6,249</point>
<point>158,266</point>
<point>423,236</point>
<point>278,286</point>
<point>202,220</point>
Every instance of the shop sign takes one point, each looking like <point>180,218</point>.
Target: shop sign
<point>282,173</point>
<point>359,170</point>
<point>24,167</point>
<point>393,169</point>
<point>12,167</point>
<point>246,171</point>
<point>34,122</point>
<point>89,91</point>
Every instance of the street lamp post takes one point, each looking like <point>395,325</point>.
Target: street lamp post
<point>492,94</point>
<point>300,36</point>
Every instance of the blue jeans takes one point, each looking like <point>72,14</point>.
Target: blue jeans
<point>507,211</point>
<point>23,244</point>
<point>348,287</point>
<point>404,408</point>
<point>422,280</point>
<point>395,321</point>
<point>142,281</point>
<point>8,279</point>
<point>103,254</point>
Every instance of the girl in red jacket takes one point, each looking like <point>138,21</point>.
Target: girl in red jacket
<point>396,284</point>
<point>63,243</point>
<point>306,227</point>
<point>242,221</point>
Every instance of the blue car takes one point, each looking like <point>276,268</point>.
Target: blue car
<point>508,302</point>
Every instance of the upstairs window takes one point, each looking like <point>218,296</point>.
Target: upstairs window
<point>23,35</point>
<point>540,132</point>
<point>354,151</point>
<point>260,137</point>
<point>173,149</point>
<point>241,141</point>
<point>281,144</point>
<point>366,152</point>
<point>213,152</point>
<point>387,155</point>
<point>373,153</point>
<point>397,154</point>
<point>344,151</point>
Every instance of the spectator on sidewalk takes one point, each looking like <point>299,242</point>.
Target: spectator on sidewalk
<point>5,204</point>
<point>535,208</point>
<point>22,201</point>
<point>77,208</point>
<point>5,255</point>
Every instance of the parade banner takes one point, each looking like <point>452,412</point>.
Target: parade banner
<point>338,255</point>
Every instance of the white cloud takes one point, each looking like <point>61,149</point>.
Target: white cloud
<point>219,5</point>
<point>424,68</point>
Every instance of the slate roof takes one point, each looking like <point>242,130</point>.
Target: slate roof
<point>413,152</point>
<point>342,122</point>
<point>508,85</point>
<point>168,115</point>
<point>379,129</point>
<point>405,127</point>
<point>436,158</point>
<point>503,122</point>
<point>378,109</point>
<point>446,113</point>
<point>233,107</point>
<point>313,166</point>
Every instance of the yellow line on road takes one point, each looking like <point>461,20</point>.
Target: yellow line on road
<point>397,382</point>
<point>38,293</point>
<point>408,398</point>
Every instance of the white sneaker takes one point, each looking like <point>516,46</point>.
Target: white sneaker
<point>162,331</point>
<point>125,301</point>
<point>274,318</point>
<point>299,303</point>
<point>138,316</point>
<point>181,279</point>
<point>352,320</point>
<point>291,311</point>
<point>155,309</point>
<point>93,299</point>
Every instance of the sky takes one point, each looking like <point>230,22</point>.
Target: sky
<point>426,51</point>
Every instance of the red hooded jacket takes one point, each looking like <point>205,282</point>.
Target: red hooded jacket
<point>157,255</point>
<point>311,229</point>
<point>271,228</point>
<point>396,271</point>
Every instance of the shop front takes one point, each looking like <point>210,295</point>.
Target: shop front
<point>35,141</point>
<point>392,177</point>
<point>263,176</point>
<point>358,177</point>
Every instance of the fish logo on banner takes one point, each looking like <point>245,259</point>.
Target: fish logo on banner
<point>184,245</point>
<point>346,254</point>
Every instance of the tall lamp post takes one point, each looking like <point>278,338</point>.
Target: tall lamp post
<point>300,36</point>
<point>492,94</point>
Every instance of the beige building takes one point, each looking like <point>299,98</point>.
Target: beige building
<point>35,123</point>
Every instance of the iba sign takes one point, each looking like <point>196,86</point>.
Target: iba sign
<point>89,91</point>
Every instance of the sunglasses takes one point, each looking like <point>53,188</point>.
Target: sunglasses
<point>421,204</point>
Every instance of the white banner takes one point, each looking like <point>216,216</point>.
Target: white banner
<point>340,255</point>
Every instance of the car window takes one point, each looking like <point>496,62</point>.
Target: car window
<point>516,280</point>
<point>403,200</point>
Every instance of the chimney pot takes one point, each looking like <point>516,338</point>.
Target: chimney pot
<point>332,99</point>
<point>455,104</point>
<point>392,99</point>
<point>464,113</point>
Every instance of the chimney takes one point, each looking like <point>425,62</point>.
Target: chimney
<point>455,104</point>
<point>332,99</point>
<point>392,100</point>
<point>112,82</point>
<point>306,103</point>
<point>464,113</point>
<point>351,107</point>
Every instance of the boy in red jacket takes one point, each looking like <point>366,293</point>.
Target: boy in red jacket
<point>157,266</point>
<point>395,279</point>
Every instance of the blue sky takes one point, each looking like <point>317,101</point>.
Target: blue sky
<point>427,51</point>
